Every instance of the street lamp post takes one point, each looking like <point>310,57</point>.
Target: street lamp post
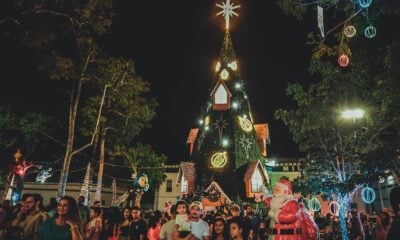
<point>353,114</point>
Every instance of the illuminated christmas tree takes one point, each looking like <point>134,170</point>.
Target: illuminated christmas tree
<point>227,150</point>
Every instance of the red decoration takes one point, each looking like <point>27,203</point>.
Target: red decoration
<point>343,60</point>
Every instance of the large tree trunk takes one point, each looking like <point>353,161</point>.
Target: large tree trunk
<point>342,216</point>
<point>73,109</point>
<point>101,165</point>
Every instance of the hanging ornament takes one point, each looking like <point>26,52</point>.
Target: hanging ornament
<point>364,3</point>
<point>224,74</point>
<point>220,124</point>
<point>219,159</point>
<point>141,183</point>
<point>370,31</point>
<point>246,144</point>
<point>349,31</point>
<point>368,195</point>
<point>218,66</point>
<point>233,65</point>
<point>245,124</point>
<point>314,205</point>
<point>343,60</point>
<point>333,208</point>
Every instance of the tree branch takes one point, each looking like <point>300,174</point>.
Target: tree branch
<point>96,129</point>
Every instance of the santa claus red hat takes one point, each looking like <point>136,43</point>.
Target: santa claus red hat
<point>285,185</point>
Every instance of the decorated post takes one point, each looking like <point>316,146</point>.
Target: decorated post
<point>16,177</point>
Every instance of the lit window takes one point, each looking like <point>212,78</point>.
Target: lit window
<point>169,185</point>
<point>256,181</point>
<point>221,96</point>
<point>184,184</point>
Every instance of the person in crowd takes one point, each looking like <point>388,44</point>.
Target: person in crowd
<point>97,204</point>
<point>95,225</point>
<point>252,222</point>
<point>123,227</point>
<point>262,230</point>
<point>84,212</point>
<point>220,230</point>
<point>65,224</point>
<point>210,219</point>
<point>394,230</point>
<point>138,227</point>
<point>235,213</point>
<point>356,228</point>
<point>168,228</point>
<point>182,222</point>
<point>31,216</point>
<point>236,229</point>
<point>52,209</point>
<point>111,219</point>
<point>165,218</point>
<point>382,225</point>
<point>5,219</point>
<point>199,228</point>
<point>153,232</point>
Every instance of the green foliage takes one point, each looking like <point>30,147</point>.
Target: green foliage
<point>21,130</point>
<point>336,160</point>
<point>145,160</point>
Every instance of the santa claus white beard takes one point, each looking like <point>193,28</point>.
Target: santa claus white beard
<point>276,204</point>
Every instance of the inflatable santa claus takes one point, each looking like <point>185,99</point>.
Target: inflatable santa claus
<point>288,220</point>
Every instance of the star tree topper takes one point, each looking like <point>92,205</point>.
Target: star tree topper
<point>227,11</point>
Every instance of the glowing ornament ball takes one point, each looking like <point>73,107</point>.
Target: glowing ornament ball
<point>343,60</point>
<point>350,31</point>
<point>368,195</point>
<point>219,159</point>
<point>370,31</point>
<point>314,205</point>
<point>364,3</point>
<point>333,208</point>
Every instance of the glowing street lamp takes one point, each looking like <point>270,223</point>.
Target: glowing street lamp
<point>353,114</point>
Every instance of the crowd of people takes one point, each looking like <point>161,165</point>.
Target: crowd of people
<point>70,219</point>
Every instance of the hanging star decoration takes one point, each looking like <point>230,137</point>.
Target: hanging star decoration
<point>227,11</point>
<point>246,144</point>
<point>220,124</point>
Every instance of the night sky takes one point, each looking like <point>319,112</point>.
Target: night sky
<point>175,45</point>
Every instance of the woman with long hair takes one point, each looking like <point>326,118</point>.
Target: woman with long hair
<point>123,226</point>
<point>220,229</point>
<point>65,224</point>
<point>154,226</point>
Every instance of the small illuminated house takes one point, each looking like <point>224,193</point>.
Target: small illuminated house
<point>228,150</point>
